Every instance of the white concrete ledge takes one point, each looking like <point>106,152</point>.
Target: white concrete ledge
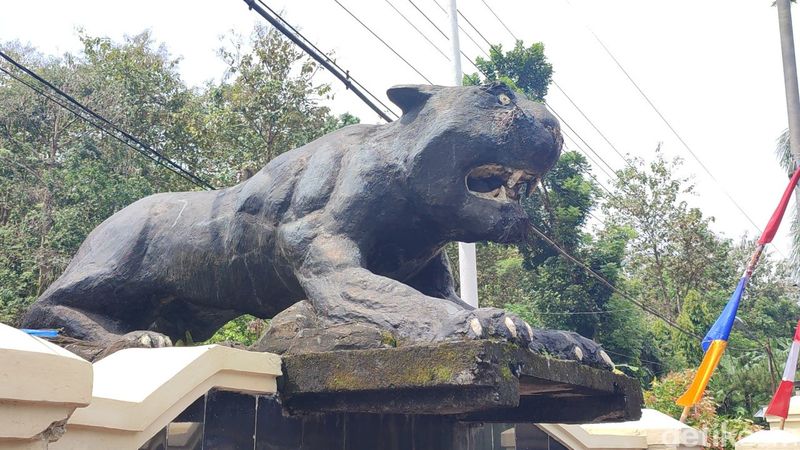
<point>792,421</point>
<point>40,384</point>
<point>137,392</point>
<point>654,430</point>
<point>769,440</point>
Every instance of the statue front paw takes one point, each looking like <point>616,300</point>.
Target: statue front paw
<point>487,323</point>
<point>134,339</point>
<point>570,345</point>
<point>493,323</point>
<point>144,339</point>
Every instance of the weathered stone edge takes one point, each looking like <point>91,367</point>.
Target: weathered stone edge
<point>465,363</point>
<point>468,363</point>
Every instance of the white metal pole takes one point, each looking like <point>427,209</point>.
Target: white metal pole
<point>790,86</point>
<point>468,273</point>
<point>455,47</point>
<point>790,75</point>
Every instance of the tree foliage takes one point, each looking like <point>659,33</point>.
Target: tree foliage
<point>673,249</point>
<point>722,432</point>
<point>524,69</point>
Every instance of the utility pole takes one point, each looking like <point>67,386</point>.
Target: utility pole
<point>790,82</point>
<point>467,266</point>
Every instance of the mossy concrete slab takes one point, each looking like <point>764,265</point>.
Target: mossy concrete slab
<point>474,380</point>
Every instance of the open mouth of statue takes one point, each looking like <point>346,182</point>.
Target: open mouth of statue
<point>499,183</point>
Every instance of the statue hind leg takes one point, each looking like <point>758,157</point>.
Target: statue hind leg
<point>83,330</point>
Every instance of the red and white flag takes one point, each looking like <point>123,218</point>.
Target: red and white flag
<point>779,406</point>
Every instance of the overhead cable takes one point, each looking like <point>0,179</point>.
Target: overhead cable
<point>344,76</point>
<point>384,42</point>
<point>128,140</point>
<point>424,36</point>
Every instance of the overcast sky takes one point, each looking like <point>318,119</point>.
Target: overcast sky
<point>712,68</point>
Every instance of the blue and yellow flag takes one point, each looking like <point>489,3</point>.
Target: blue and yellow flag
<point>714,344</point>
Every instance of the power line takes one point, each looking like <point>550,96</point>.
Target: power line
<point>383,42</point>
<point>444,34</point>
<point>593,125</point>
<point>142,148</point>
<point>327,58</point>
<point>561,119</point>
<point>476,30</point>
<point>557,115</point>
<point>608,284</point>
<point>431,21</point>
<point>619,291</point>
<point>424,36</point>
<point>462,29</point>
<point>77,114</point>
<point>295,36</point>
<point>499,20</point>
<point>588,157</point>
<point>669,125</point>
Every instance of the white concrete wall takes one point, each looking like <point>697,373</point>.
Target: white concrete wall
<point>119,403</point>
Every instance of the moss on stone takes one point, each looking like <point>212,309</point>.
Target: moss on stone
<point>344,381</point>
<point>449,378</point>
<point>403,369</point>
<point>388,339</point>
<point>505,371</point>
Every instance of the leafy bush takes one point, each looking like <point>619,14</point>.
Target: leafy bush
<point>722,432</point>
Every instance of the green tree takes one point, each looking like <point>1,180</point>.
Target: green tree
<point>673,250</point>
<point>787,161</point>
<point>268,103</point>
<point>697,317</point>
<point>60,177</point>
<point>565,295</point>
<point>525,69</point>
<point>722,432</point>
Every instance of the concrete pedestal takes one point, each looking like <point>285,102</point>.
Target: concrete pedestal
<point>475,381</point>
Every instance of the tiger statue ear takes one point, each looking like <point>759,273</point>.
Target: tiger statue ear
<point>412,96</point>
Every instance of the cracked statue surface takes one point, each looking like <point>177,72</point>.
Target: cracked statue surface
<point>340,241</point>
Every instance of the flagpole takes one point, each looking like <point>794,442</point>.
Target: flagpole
<point>685,414</point>
<point>467,265</point>
<point>782,398</point>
